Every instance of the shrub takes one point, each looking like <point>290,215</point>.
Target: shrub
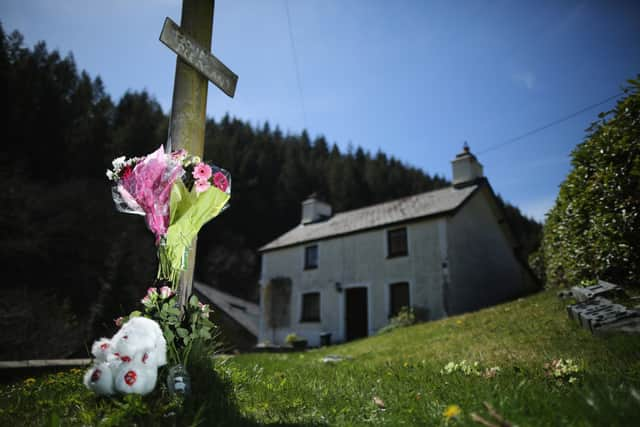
<point>405,317</point>
<point>291,338</point>
<point>593,231</point>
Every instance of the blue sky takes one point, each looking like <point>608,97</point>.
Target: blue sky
<point>412,78</point>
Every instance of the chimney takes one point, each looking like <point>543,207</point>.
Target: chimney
<point>466,168</point>
<point>314,210</point>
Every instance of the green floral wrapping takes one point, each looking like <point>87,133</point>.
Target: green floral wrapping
<point>189,211</point>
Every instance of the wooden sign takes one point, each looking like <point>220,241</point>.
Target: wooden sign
<point>198,57</point>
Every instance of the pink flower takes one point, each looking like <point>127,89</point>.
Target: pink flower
<point>204,308</point>
<point>202,185</point>
<point>152,292</point>
<point>150,186</point>
<point>220,181</point>
<point>126,172</point>
<point>165,292</point>
<point>202,171</point>
<point>118,321</point>
<point>146,301</point>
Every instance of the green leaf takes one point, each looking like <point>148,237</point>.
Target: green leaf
<point>182,332</point>
<point>193,301</point>
<point>207,323</point>
<point>135,314</point>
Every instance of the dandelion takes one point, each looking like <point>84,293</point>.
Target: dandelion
<point>452,411</point>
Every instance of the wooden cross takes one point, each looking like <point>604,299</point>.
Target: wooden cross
<point>195,66</point>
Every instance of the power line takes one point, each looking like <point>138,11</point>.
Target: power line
<point>295,61</point>
<point>548,125</point>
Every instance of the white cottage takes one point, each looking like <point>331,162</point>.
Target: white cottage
<point>443,252</point>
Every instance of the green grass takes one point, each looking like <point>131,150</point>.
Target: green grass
<point>402,369</point>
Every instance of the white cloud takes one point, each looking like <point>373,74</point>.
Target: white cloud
<point>526,78</point>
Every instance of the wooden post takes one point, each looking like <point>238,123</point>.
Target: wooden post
<point>195,66</point>
<point>189,106</point>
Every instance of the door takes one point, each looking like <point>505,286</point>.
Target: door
<point>356,313</point>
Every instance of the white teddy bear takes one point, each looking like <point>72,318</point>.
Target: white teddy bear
<point>128,363</point>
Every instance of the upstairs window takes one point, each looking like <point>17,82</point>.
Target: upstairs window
<point>310,307</point>
<point>399,297</point>
<point>311,257</point>
<point>397,242</point>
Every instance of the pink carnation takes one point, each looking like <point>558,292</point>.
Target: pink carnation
<point>202,185</point>
<point>165,292</point>
<point>202,171</point>
<point>220,181</point>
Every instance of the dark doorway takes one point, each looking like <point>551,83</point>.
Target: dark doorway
<point>356,313</point>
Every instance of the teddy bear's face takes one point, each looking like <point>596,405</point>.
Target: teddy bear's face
<point>134,342</point>
<point>139,335</point>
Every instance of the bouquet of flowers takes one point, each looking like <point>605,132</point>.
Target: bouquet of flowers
<point>177,193</point>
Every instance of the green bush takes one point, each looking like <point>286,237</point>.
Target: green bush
<point>405,317</point>
<point>593,231</point>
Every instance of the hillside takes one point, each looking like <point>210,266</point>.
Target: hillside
<point>403,370</point>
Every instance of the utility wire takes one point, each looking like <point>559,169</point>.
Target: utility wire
<point>295,61</point>
<point>548,125</point>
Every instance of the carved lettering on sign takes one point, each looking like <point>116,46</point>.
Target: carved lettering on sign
<point>196,56</point>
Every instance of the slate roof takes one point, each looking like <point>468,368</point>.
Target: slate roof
<point>422,205</point>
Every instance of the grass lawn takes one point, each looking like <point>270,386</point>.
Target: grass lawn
<point>397,378</point>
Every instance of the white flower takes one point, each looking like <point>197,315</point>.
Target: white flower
<point>118,163</point>
<point>110,175</point>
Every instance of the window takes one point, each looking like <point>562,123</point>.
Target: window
<point>311,257</point>
<point>310,307</point>
<point>396,242</point>
<point>399,297</point>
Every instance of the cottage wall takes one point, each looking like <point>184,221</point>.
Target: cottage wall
<point>358,259</point>
<point>483,268</point>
